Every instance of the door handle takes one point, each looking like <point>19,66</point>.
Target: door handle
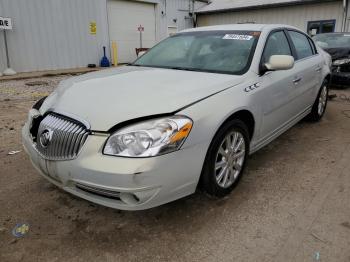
<point>318,69</point>
<point>297,80</point>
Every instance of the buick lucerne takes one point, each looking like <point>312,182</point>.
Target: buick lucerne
<point>184,115</point>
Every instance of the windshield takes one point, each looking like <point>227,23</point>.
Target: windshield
<point>333,40</point>
<point>228,52</point>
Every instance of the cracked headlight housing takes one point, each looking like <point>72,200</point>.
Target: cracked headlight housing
<point>341,61</point>
<point>149,138</point>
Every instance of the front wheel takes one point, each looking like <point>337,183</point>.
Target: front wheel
<point>226,158</point>
<point>320,105</point>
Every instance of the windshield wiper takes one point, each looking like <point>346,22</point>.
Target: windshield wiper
<point>170,67</point>
<point>184,68</point>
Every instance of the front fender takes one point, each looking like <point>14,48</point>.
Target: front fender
<point>210,114</point>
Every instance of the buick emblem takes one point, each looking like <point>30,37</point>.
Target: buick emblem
<point>46,137</point>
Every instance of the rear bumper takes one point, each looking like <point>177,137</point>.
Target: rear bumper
<point>122,183</point>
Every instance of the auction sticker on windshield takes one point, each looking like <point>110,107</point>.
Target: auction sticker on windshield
<point>237,37</point>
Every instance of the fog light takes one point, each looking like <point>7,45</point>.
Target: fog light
<point>128,198</point>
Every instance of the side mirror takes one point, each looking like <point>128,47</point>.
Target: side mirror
<point>279,62</point>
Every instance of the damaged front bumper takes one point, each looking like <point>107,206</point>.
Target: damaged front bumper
<point>341,75</point>
<point>120,182</point>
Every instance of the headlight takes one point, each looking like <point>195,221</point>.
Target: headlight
<point>341,61</point>
<point>149,138</point>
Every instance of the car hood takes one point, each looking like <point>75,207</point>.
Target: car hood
<point>109,97</point>
<point>337,53</point>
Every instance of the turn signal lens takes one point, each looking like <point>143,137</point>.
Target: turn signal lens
<point>182,133</point>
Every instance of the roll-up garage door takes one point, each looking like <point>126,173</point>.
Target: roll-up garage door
<point>124,17</point>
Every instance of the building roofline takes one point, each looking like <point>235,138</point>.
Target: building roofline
<point>255,7</point>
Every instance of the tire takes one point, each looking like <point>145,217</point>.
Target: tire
<point>212,178</point>
<point>320,104</point>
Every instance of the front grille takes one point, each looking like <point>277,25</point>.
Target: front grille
<point>60,137</point>
<point>345,68</point>
<point>341,69</point>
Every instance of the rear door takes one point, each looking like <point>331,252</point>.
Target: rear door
<point>307,66</point>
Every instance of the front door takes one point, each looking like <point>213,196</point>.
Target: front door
<point>277,87</point>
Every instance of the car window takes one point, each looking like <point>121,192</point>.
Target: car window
<point>336,40</point>
<point>181,45</point>
<point>277,44</point>
<point>301,44</point>
<point>206,51</point>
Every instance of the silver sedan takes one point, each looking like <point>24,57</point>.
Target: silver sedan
<point>184,115</point>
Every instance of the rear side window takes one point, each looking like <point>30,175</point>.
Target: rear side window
<point>276,44</point>
<point>301,44</point>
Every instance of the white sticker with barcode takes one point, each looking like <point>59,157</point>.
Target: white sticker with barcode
<point>238,37</point>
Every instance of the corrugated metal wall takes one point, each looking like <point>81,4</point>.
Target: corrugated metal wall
<point>179,10</point>
<point>174,9</point>
<point>53,34</point>
<point>297,16</point>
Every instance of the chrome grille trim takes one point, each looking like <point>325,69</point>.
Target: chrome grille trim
<point>68,137</point>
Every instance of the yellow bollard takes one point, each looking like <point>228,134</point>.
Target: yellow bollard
<point>114,54</point>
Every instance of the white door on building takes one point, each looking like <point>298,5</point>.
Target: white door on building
<point>124,17</point>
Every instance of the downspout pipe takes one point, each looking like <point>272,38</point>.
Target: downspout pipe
<point>345,15</point>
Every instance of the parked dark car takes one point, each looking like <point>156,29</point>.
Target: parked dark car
<point>338,46</point>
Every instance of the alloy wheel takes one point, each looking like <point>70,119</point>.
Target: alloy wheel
<point>322,100</point>
<point>230,159</point>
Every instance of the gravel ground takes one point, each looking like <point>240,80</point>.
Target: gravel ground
<point>293,203</point>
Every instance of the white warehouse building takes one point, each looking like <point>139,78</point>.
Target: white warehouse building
<point>59,34</point>
<point>311,16</point>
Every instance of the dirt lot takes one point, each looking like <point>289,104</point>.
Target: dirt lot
<point>293,204</point>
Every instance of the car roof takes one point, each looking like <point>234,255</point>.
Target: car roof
<point>240,27</point>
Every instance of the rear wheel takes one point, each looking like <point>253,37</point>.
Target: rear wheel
<point>226,158</point>
<point>320,105</point>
